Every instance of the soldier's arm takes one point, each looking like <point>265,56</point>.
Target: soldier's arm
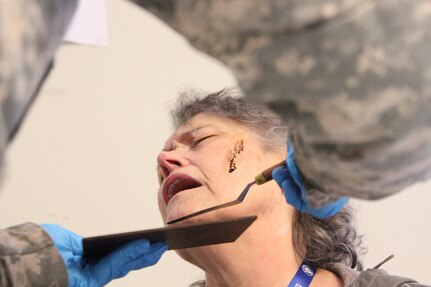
<point>30,34</point>
<point>351,78</point>
<point>28,257</point>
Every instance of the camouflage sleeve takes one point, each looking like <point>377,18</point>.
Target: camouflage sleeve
<point>380,278</point>
<point>30,34</point>
<point>28,257</point>
<point>351,78</point>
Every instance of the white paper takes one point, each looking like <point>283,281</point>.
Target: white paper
<point>89,25</point>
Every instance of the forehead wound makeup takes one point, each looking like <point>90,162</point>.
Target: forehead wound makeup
<point>238,148</point>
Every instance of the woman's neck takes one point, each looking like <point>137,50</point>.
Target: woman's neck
<point>262,256</point>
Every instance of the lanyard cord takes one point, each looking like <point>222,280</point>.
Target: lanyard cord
<point>303,276</point>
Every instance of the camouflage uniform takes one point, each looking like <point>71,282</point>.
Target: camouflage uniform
<point>351,77</point>
<point>28,257</point>
<point>30,33</point>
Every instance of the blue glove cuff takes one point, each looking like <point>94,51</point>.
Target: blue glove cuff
<point>303,204</point>
<point>293,169</point>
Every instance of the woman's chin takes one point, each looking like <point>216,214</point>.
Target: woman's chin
<point>177,208</point>
<point>180,206</point>
<point>174,212</point>
<point>193,220</point>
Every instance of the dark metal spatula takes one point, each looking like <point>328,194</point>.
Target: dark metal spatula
<point>259,179</point>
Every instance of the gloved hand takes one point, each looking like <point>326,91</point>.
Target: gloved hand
<point>131,256</point>
<point>289,179</point>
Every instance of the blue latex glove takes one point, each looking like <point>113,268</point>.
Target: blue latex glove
<point>131,256</point>
<point>289,179</point>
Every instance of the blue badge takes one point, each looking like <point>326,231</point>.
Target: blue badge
<point>303,276</point>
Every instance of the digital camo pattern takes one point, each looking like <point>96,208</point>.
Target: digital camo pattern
<point>351,77</point>
<point>380,278</point>
<point>28,257</point>
<point>30,33</point>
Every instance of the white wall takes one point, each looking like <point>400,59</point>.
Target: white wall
<point>85,156</point>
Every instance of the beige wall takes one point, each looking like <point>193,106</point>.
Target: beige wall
<point>85,157</point>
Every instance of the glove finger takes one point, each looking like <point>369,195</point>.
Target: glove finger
<point>113,265</point>
<point>109,266</point>
<point>76,245</point>
<point>280,174</point>
<point>150,258</point>
<point>293,194</point>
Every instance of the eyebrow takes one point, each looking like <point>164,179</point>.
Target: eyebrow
<point>188,134</point>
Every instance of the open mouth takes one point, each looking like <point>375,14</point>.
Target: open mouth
<point>176,183</point>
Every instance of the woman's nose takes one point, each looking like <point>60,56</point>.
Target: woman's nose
<point>169,161</point>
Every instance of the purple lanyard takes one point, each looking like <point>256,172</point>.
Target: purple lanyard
<point>303,276</point>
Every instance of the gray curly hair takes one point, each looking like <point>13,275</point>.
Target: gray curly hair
<point>321,242</point>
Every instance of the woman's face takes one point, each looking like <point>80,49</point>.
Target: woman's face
<point>194,170</point>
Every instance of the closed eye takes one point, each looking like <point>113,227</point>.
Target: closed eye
<point>196,142</point>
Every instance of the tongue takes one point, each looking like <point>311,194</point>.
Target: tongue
<point>181,185</point>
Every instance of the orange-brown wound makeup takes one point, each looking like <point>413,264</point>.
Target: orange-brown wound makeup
<point>238,148</point>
